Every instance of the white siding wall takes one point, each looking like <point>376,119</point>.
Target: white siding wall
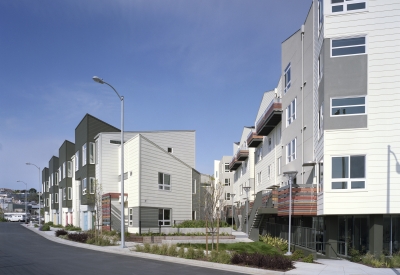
<point>381,24</point>
<point>131,166</point>
<point>179,199</point>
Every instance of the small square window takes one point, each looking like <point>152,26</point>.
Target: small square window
<point>170,150</point>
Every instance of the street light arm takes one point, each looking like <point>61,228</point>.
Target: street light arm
<point>101,81</point>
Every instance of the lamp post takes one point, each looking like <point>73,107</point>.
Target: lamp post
<point>28,163</point>
<point>247,189</point>
<point>233,217</point>
<point>291,175</point>
<point>101,81</point>
<point>26,187</point>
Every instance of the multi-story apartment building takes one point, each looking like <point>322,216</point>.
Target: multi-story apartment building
<point>224,177</point>
<point>53,211</point>
<point>333,120</point>
<point>46,192</point>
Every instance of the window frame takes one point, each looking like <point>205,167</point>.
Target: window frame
<point>194,185</point>
<point>84,186</point>
<point>349,179</point>
<point>55,197</point>
<point>64,194</point>
<point>84,154</point>
<point>348,106</point>
<point>291,150</point>
<point>163,220</point>
<point>227,183</point>
<point>226,166</point>
<point>345,4</point>
<point>292,108</point>
<point>227,196</point>
<point>279,166</point>
<point>69,193</point>
<point>92,153</point>
<point>162,186</point>
<point>287,74</point>
<point>77,160</point>
<point>259,178</point>
<point>92,185</point>
<point>351,46</point>
<point>130,216</point>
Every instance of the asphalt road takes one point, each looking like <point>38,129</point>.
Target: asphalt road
<point>25,252</point>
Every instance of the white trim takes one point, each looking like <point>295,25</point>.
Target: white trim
<point>352,46</point>
<point>343,97</point>
<point>349,179</point>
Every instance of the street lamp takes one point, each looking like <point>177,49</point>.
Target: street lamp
<point>101,81</point>
<point>233,217</point>
<point>26,187</point>
<point>247,189</point>
<point>291,175</point>
<point>40,185</point>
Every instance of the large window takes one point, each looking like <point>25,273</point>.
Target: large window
<point>259,154</point>
<point>338,6</point>
<point>291,112</point>
<point>92,153</point>
<point>164,217</point>
<point>227,167</point>
<point>291,151</point>
<point>288,78</point>
<point>84,154</point>
<point>348,172</point>
<point>348,46</point>
<point>69,173</point>
<point>92,185</point>
<point>348,106</point>
<point>77,161</point>
<point>84,186</point>
<point>164,181</point>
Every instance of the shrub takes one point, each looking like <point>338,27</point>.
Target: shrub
<point>139,248</point>
<point>355,255</point>
<point>78,237</point>
<point>35,225</point>
<point>308,259</point>
<point>199,224</point>
<point>146,248</point>
<point>224,257</point>
<point>181,252</point>
<point>276,262</point>
<point>155,249</point>
<point>163,249</point>
<point>172,250</point>
<point>297,254</point>
<point>190,253</point>
<point>276,242</point>
<point>57,226</point>
<point>61,232</point>
<point>45,227</point>
<point>49,223</point>
<point>70,227</point>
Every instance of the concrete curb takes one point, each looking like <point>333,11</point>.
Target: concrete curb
<point>127,252</point>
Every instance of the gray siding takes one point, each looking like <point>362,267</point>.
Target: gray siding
<point>45,177</point>
<point>66,151</point>
<point>344,77</point>
<point>53,169</point>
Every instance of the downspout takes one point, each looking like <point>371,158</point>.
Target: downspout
<point>302,103</point>
<point>139,185</point>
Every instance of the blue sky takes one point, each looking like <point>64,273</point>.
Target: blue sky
<point>180,64</point>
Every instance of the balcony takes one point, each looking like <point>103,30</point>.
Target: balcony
<point>304,200</point>
<point>253,140</point>
<point>270,118</point>
<point>242,155</point>
<point>234,164</point>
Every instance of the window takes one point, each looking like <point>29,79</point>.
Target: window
<point>291,112</point>
<point>59,174</point>
<point>170,150</point>
<point>69,193</point>
<point>258,155</point>
<point>47,202</point>
<point>84,186</point>
<point>279,166</point>
<point>287,78</point>
<point>47,186</point>
<point>77,161</point>
<point>63,170</point>
<point>164,217</point>
<point>227,167</point>
<point>269,172</point>
<point>56,197</point>
<point>64,194</point>
<point>193,215</point>
<point>321,120</point>
<point>56,178</point>
<point>348,5</point>
<point>164,181</point>
<point>193,186</point>
<point>227,196</point>
<point>291,151</point>
<point>130,218</point>
<point>84,154</point>
<point>92,153</point>
<point>69,167</point>
<point>348,46</point>
<point>227,182</point>
<point>92,185</point>
<point>348,172</point>
<point>320,66</point>
<point>241,189</point>
<point>269,144</point>
<point>348,106</point>
<point>259,178</point>
<point>321,176</point>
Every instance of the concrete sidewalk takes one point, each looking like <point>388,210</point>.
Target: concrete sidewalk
<point>322,267</point>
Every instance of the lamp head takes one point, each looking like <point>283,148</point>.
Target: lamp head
<point>98,79</point>
<point>28,163</point>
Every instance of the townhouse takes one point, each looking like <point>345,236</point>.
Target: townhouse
<point>332,121</point>
<point>161,185</point>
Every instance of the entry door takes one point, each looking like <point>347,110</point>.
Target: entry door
<point>85,221</point>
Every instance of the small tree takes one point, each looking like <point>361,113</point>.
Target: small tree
<point>95,198</point>
<point>212,197</point>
